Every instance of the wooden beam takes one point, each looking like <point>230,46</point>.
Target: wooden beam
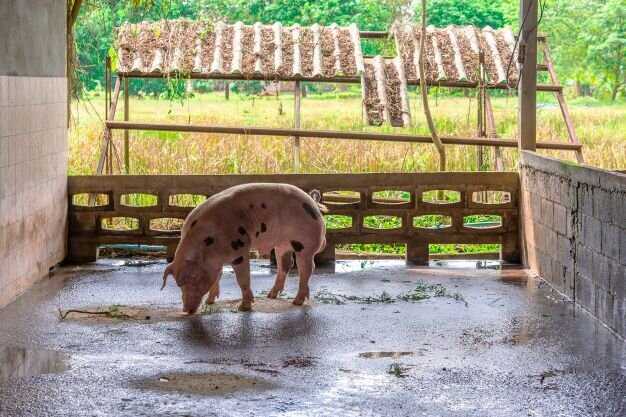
<point>372,34</point>
<point>329,134</point>
<point>337,79</point>
<point>528,83</point>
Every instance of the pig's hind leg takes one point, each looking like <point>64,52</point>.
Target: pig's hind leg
<point>285,262</point>
<point>306,265</point>
<point>241,265</point>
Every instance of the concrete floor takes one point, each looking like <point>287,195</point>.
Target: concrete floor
<point>498,345</point>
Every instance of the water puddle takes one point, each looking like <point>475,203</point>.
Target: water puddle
<point>378,355</point>
<point>466,264</point>
<point>16,362</point>
<point>356,265</point>
<point>210,383</point>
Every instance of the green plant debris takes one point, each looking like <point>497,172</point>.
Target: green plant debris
<point>422,291</point>
<point>397,370</point>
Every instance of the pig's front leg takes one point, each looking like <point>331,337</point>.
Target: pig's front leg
<point>214,291</point>
<point>241,265</point>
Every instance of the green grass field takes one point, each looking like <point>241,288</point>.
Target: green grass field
<point>601,128</point>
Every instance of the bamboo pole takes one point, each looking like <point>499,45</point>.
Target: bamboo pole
<point>107,130</point>
<point>424,91</point>
<point>492,133</point>
<point>329,134</point>
<point>126,118</point>
<point>296,124</point>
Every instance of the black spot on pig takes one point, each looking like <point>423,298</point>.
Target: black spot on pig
<point>209,241</point>
<point>242,230</point>
<point>263,205</point>
<point>237,261</point>
<point>310,210</point>
<point>193,223</point>
<point>251,206</point>
<point>263,228</point>
<point>236,244</point>
<point>297,246</point>
<point>257,234</point>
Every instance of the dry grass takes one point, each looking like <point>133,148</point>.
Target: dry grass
<point>602,129</point>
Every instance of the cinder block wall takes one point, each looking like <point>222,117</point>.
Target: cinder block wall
<point>574,221</point>
<point>33,142</point>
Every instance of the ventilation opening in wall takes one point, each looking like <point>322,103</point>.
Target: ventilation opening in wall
<point>166,224</point>
<point>391,197</point>
<point>432,221</point>
<point>441,196</point>
<point>120,224</point>
<point>371,251</point>
<point>186,200</point>
<point>341,198</point>
<point>139,200</point>
<point>337,221</point>
<point>491,197</point>
<point>382,222</point>
<point>464,251</point>
<point>90,200</point>
<point>482,221</point>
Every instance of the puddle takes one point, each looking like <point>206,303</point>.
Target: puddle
<point>18,362</point>
<point>378,355</point>
<point>210,383</point>
<point>152,313</point>
<point>466,264</point>
<point>356,265</point>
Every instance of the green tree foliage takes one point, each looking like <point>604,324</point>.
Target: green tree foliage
<point>587,37</point>
<point>466,12</point>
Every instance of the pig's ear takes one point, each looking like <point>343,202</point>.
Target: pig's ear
<point>166,273</point>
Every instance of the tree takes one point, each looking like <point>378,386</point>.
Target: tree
<point>479,13</point>
<point>606,40</point>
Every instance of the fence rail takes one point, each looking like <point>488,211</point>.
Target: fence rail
<point>87,229</point>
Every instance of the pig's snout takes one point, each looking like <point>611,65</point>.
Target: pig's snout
<point>191,299</point>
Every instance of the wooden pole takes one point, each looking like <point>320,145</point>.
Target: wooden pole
<point>296,124</point>
<point>108,105</point>
<point>492,133</point>
<point>126,118</point>
<point>330,134</point>
<point>424,91</point>
<point>528,75</point>
<point>107,130</point>
<point>480,108</point>
<point>227,90</point>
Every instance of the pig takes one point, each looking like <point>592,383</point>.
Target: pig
<point>225,227</point>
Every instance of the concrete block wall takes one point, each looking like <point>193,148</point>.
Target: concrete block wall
<point>33,142</point>
<point>574,221</point>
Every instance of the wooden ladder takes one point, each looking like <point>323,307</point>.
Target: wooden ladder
<point>549,66</point>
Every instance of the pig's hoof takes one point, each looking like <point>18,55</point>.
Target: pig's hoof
<point>245,307</point>
<point>298,301</point>
<point>273,293</point>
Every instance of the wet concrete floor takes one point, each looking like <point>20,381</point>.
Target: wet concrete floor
<point>380,339</point>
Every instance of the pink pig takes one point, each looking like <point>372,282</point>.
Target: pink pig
<point>224,228</point>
